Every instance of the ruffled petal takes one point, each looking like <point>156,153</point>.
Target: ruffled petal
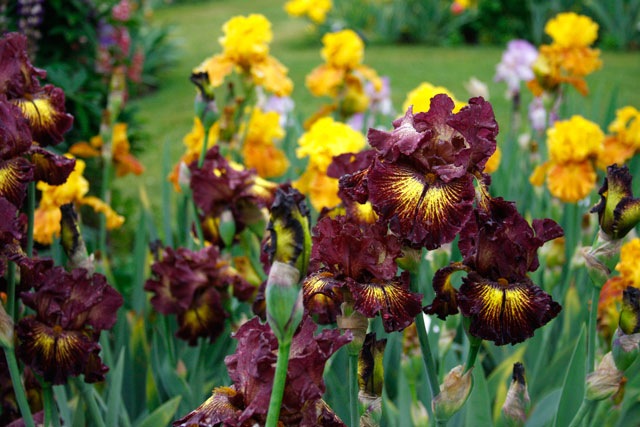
<point>46,115</point>
<point>422,209</point>
<point>205,318</point>
<point>445,302</point>
<point>17,75</point>
<point>15,135</point>
<point>15,174</point>
<point>392,299</point>
<point>114,220</point>
<point>322,296</point>
<point>49,167</point>
<point>503,312</point>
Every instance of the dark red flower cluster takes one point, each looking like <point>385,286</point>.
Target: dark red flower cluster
<point>499,249</point>
<point>220,185</point>
<point>358,261</point>
<point>252,369</point>
<point>421,179</point>
<point>61,338</point>
<point>32,116</point>
<point>194,286</point>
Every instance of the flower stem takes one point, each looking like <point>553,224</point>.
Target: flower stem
<point>31,206</point>
<point>593,320</point>
<point>471,357</point>
<point>90,400</point>
<point>18,389</point>
<point>50,410</point>
<point>354,404</point>
<point>11,291</point>
<point>427,356</point>
<point>203,152</point>
<point>279,379</point>
<point>582,411</point>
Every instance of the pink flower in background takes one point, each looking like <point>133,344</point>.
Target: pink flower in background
<point>121,11</point>
<point>516,65</point>
<point>537,115</point>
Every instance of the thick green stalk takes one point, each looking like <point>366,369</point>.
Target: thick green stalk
<point>354,404</point>
<point>471,357</point>
<point>104,192</point>
<point>585,407</point>
<point>18,389</point>
<point>203,152</point>
<point>279,379</point>
<point>196,221</point>
<point>427,356</point>
<point>31,206</point>
<point>90,400</point>
<point>11,291</point>
<point>51,416</point>
<point>593,320</point>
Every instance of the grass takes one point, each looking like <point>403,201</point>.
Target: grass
<point>168,113</point>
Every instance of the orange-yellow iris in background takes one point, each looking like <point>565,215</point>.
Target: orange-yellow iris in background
<point>573,146</point>
<point>259,149</point>
<point>74,190</point>
<point>623,142</point>
<point>193,142</point>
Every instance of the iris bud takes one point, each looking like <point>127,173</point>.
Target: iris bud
<point>454,392</point>
<point>604,381</point>
<point>514,409</point>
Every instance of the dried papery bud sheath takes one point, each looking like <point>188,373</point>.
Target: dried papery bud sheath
<point>284,300</point>
<point>618,212</point>
<point>454,392</point>
<point>72,242</point>
<point>514,410</point>
<point>6,329</point>
<point>604,381</point>
<point>355,322</point>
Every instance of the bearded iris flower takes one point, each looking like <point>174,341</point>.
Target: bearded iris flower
<point>32,117</point>
<point>421,180</point>
<point>499,249</point>
<point>61,339</point>
<point>194,286</point>
<point>252,370</point>
<point>358,262</point>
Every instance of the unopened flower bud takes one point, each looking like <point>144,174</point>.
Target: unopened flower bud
<point>515,406</point>
<point>410,259</point>
<point>205,104</point>
<point>625,349</point>
<point>605,380</point>
<point>72,242</point>
<point>6,329</point>
<point>630,314</point>
<point>227,228</point>
<point>284,300</point>
<point>454,392</point>
<point>419,415</point>
<point>370,370</point>
<point>618,212</point>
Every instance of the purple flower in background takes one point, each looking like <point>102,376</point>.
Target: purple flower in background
<point>380,100</point>
<point>516,65</point>
<point>537,114</point>
<point>283,105</point>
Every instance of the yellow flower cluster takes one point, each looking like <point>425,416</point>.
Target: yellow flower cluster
<point>193,142</point>
<point>74,190</point>
<point>316,10</point>
<point>569,58</point>
<point>246,48</point>
<point>611,295</point>
<point>420,98</point>
<point>259,149</point>
<point>623,142</point>
<point>326,139</point>
<point>573,146</point>
<point>343,75</point>
<point>123,160</point>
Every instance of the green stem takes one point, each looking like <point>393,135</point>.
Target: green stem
<point>471,356</point>
<point>169,340</point>
<point>582,411</point>
<point>427,356</point>
<point>90,400</point>
<point>50,410</point>
<point>18,389</point>
<point>11,291</point>
<point>593,320</point>
<point>31,206</point>
<point>104,191</point>
<point>279,379</point>
<point>203,152</point>
<point>354,404</point>
<point>196,220</point>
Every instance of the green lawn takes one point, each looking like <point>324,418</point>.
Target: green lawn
<point>168,113</point>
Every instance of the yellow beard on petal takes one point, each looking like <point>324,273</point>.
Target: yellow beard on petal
<point>39,112</point>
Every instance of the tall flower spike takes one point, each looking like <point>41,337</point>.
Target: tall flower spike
<point>421,180</point>
<point>618,212</point>
<point>499,249</point>
<point>370,369</point>
<point>515,406</point>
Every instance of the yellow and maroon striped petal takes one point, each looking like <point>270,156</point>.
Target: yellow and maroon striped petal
<point>445,301</point>
<point>503,312</point>
<point>394,301</point>
<point>15,174</point>
<point>216,410</point>
<point>46,114</point>
<point>49,167</point>
<point>322,296</point>
<point>420,207</point>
